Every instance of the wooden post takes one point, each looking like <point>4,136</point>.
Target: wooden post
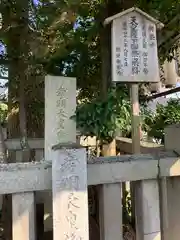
<point>70,201</point>
<point>135,118</point>
<point>134,94</point>
<point>23,216</point>
<point>164,216</point>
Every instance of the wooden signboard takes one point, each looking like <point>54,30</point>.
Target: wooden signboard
<point>134,47</point>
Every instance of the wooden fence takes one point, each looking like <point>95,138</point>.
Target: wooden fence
<point>22,180</point>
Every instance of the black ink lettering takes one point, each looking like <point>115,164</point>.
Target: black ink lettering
<point>118,61</point>
<point>72,236</point>
<point>145,70</point>
<point>120,73</point>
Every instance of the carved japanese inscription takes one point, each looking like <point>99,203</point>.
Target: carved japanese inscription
<point>70,204</point>
<point>60,105</point>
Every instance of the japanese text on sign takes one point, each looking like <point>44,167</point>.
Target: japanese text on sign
<point>119,67</point>
<point>134,46</point>
<point>125,44</point>
<point>134,49</point>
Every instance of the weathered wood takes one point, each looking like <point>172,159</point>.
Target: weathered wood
<point>163,198</point>
<point>33,143</point>
<point>70,201</point>
<point>124,68</point>
<point>125,145</point>
<point>39,155</point>
<point>27,177</point>
<point>23,216</point>
<point>136,147</point>
<point>18,156</point>
<point>135,120</point>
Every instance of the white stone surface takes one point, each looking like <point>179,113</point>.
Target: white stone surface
<point>173,207</point>
<point>172,229</point>
<point>154,236</point>
<point>147,210</point>
<point>172,137</point>
<point>23,216</point>
<point>170,73</point>
<point>111,212</point>
<point>134,49</point>
<point>60,105</point>
<point>70,202</point>
<point>151,207</point>
<point>27,177</point>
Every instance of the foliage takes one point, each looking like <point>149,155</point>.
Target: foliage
<point>3,113</point>
<point>127,207</point>
<point>103,118</point>
<point>163,117</point>
<point>65,36</point>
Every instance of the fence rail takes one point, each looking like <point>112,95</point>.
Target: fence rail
<point>37,176</point>
<point>26,181</point>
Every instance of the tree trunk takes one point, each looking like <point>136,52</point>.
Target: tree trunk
<point>109,149</point>
<point>15,24</point>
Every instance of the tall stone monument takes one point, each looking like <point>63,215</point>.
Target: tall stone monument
<point>60,105</point>
<point>70,201</point>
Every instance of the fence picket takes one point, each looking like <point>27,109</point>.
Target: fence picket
<point>39,154</point>
<point>23,216</point>
<point>111,212</point>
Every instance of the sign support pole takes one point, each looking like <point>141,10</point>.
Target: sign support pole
<point>135,124</point>
<point>134,90</point>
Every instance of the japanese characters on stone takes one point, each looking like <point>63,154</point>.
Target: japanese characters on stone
<point>70,183</point>
<point>61,110</point>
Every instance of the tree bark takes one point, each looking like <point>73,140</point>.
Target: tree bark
<point>15,26</point>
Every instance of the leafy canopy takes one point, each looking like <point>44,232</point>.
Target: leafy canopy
<point>155,123</point>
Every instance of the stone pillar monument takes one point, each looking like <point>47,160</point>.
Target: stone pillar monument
<point>60,105</point>
<point>69,185</point>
